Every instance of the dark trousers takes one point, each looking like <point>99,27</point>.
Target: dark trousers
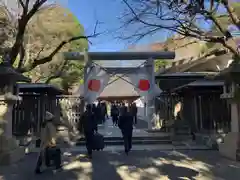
<point>135,119</point>
<point>127,138</point>
<point>89,142</point>
<point>102,119</point>
<point>99,119</point>
<point>50,154</point>
<point>115,120</point>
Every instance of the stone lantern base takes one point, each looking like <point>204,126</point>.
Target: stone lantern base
<point>10,152</point>
<point>230,147</point>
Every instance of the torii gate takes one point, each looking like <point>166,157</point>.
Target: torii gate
<point>149,57</point>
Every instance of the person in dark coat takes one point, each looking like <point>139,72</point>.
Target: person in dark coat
<point>103,112</point>
<point>126,126</point>
<point>89,125</point>
<point>114,114</point>
<point>99,113</point>
<point>94,110</point>
<point>134,112</point>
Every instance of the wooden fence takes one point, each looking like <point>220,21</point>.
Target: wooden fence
<point>28,114</point>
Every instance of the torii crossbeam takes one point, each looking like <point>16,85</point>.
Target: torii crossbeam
<point>128,55</point>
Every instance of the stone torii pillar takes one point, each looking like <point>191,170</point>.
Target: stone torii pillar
<point>150,100</point>
<point>88,57</point>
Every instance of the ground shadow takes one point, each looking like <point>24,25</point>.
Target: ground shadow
<point>101,167</point>
<point>138,165</point>
<point>24,170</point>
<point>148,165</point>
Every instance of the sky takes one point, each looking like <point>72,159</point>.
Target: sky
<point>89,12</point>
<point>107,12</point>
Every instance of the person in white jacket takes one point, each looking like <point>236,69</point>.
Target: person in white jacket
<point>48,146</point>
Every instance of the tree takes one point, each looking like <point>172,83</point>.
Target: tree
<point>185,17</point>
<point>45,31</point>
<point>17,23</point>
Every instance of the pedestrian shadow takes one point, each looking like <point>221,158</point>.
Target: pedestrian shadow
<point>147,166</point>
<point>138,165</point>
<point>24,170</point>
<point>98,167</point>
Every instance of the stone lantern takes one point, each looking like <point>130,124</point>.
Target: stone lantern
<point>9,149</point>
<point>231,92</point>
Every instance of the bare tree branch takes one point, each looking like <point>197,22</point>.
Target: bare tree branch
<point>18,47</point>
<point>44,60</point>
<point>235,19</point>
<point>179,16</point>
<point>21,3</point>
<point>22,23</point>
<point>41,50</point>
<point>58,73</point>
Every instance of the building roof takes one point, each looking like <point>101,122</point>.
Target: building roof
<point>119,88</point>
<point>9,72</point>
<point>206,62</point>
<point>184,48</point>
<point>201,83</point>
<point>185,74</point>
<point>39,88</point>
<point>206,83</point>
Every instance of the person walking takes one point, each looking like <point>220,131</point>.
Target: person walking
<point>134,112</point>
<point>99,113</point>
<point>48,146</point>
<point>126,126</point>
<point>114,114</point>
<point>103,112</point>
<point>89,125</point>
<point>94,110</point>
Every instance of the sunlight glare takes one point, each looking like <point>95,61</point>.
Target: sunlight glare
<point>138,174</point>
<point>67,154</point>
<point>86,166</point>
<point>123,171</point>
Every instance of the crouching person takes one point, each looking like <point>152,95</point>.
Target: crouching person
<point>49,152</point>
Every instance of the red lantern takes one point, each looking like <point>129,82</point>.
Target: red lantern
<point>94,85</point>
<point>144,85</point>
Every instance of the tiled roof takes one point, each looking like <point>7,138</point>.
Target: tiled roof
<point>119,88</point>
<point>12,73</point>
